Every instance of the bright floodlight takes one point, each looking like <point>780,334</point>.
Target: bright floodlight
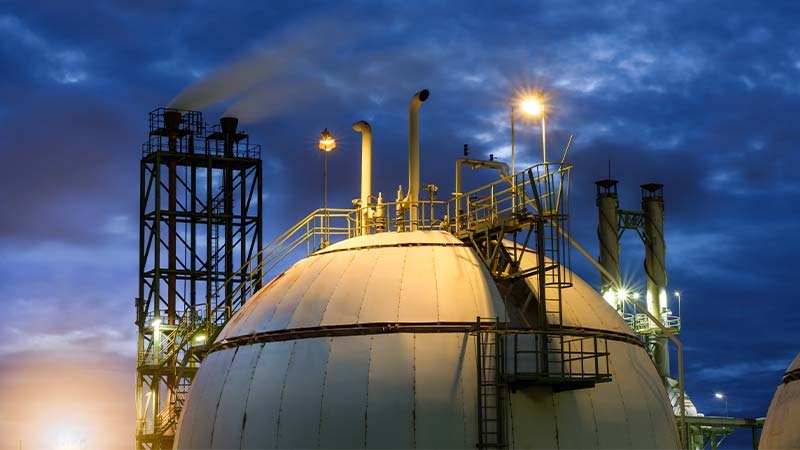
<point>156,322</point>
<point>677,294</point>
<point>622,294</point>
<point>636,296</point>
<point>719,395</point>
<point>326,141</point>
<point>532,106</point>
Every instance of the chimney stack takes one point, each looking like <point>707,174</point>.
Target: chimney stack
<point>607,233</point>
<point>228,126</point>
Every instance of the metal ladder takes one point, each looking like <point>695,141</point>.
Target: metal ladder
<point>491,387</point>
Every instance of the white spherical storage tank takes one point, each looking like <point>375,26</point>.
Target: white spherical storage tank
<point>367,344</point>
<point>780,428</point>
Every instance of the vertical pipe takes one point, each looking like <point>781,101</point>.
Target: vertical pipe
<point>413,155</point>
<point>259,224</point>
<point>228,126</point>
<point>544,142</point>
<point>172,240</point>
<point>141,312</point>
<point>326,223</point>
<point>211,269</point>
<point>172,121</point>
<point>608,234</point>
<point>366,171</point>
<point>513,168</point>
<point>242,247</point>
<point>193,257</point>
<point>654,265</point>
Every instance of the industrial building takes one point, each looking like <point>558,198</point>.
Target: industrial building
<point>417,323</point>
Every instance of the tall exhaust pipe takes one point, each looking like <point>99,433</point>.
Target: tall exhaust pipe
<point>412,198</point>
<point>608,234</point>
<point>172,121</point>
<point>366,170</point>
<point>655,267</point>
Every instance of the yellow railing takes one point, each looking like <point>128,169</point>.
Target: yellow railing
<point>542,188</point>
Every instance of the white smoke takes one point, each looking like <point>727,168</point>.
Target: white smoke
<point>284,72</point>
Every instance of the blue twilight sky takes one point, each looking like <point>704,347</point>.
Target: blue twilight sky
<point>701,96</point>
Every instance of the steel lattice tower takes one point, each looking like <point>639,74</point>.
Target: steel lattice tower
<point>199,237</point>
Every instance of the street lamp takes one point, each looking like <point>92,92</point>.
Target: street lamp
<point>678,295</point>
<point>326,144</point>
<point>531,105</point>
<point>534,106</point>
<point>721,396</point>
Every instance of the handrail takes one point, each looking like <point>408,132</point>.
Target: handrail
<point>487,203</point>
<point>274,252</point>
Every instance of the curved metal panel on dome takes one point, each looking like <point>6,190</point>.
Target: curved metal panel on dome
<point>781,429</point>
<point>303,388</point>
<point>443,394</point>
<point>210,383</point>
<point>391,356</point>
<point>266,388</point>
<point>432,277</point>
<point>346,386</point>
<point>230,410</point>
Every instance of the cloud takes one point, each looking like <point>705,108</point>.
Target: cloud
<point>61,64</point>
<point>739,370</point>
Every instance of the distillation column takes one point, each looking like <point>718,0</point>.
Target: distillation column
<point>608,234</point>
<point>655,267</point>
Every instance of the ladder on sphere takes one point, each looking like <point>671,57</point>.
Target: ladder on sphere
<point>491,388</point>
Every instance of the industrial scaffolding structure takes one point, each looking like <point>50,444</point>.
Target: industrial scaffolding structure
<point>200,223</point>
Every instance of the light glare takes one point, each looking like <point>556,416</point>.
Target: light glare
<point>532,106</point>
<point>326,141</point>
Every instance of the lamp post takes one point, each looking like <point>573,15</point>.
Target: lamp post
<point>513,171</point>
<point>721,396</point>
<point>534,106</point>
<point>678,296</point>
<point>326,144</point>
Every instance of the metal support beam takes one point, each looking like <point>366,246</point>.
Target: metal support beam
<point>177,213</point>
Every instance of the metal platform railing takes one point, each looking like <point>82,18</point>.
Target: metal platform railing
<point>540,189</point>
<point>565,359</point>
<point>643,325</point>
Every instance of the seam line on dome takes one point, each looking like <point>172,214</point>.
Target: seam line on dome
<point>395,245</point>
<point>790,376</point>
<point>404,327</point>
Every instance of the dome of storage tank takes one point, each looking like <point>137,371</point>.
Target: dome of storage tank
<point>780,428</point>
<point>369,343</point>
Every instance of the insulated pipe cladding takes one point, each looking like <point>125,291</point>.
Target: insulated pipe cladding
<point>413,155</point>
<point>608,235</point>
<point>366,160</point>
<point>654,265</point>
<point>366,170</point>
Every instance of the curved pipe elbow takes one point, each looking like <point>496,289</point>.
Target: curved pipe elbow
<point>362,126</point>
<point>418,99</point>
